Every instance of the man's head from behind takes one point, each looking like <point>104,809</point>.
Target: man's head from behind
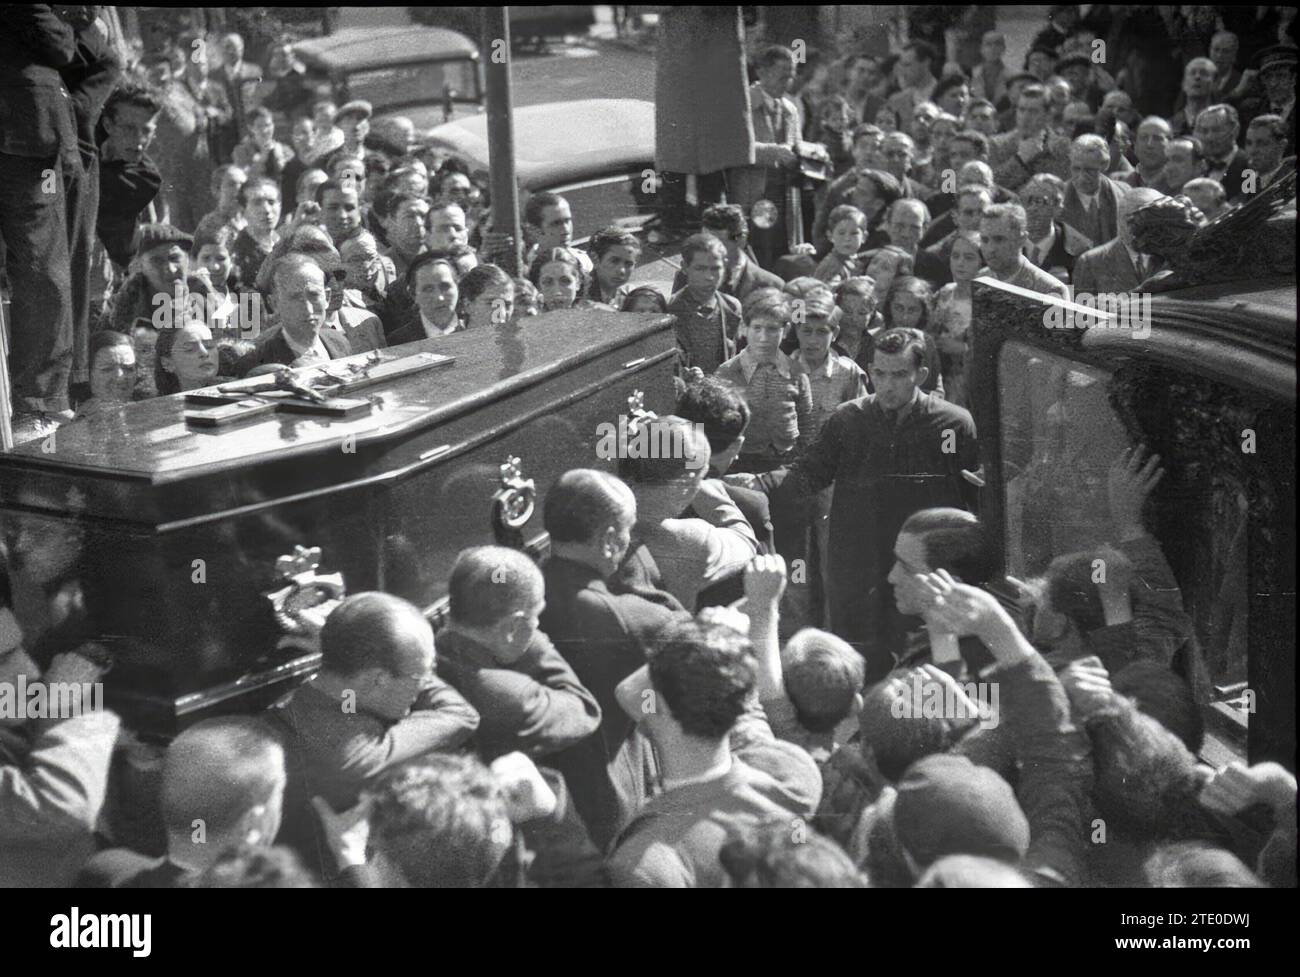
<point>495,595</point>
<point>823,677</point>
<point>380,648</point>
<point>589,516</point>
<point>223,784</point>
<point>724,414</point>
<point>727,223</point>
<point>672,462</point>
<point>442,821</point>
<point>939,539</point>
<point>696,685</point>
<point>947,805</point>
<point>893,733</point>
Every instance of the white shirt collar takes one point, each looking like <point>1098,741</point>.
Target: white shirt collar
<point>431,329</point>
<point>317,350</point>
<point>749,363</point>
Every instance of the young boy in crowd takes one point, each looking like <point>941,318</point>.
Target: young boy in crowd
<point>708,320</point>
<point>260,199</point>
<point>823,688</point>
<point>834,378</point>
<point>777,390</point>
<point>614,254</point>
<point>493,653</point>
<point>858,320</point>
<point>848,231</point>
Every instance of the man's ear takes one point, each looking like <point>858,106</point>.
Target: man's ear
<point>609,542</point>
<point>922,374</point>
<point>516,625</point>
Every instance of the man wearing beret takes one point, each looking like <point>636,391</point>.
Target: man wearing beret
<point>1277,71</point>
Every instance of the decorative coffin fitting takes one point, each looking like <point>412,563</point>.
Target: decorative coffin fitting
<point>172,533</point>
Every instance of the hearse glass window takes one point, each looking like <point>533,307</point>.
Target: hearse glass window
<point>619,199</point>
<point>1060,436</point>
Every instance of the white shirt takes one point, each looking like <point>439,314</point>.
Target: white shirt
<point>315,353</point>
<point>431,328</point>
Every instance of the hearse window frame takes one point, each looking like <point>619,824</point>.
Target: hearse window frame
<point>1005,323</point>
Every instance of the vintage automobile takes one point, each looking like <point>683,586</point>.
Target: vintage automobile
<point>189,546</point>
<point>598,153</point>
<point>423,71</point>
<point>1202,370</point>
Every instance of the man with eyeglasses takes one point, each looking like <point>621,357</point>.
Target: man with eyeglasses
<point>1053,246</point>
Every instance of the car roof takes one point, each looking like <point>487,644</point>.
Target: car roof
<point>354,48</point>
<point>562,142</point>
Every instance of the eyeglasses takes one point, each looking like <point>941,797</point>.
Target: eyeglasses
<point>1041,201</point>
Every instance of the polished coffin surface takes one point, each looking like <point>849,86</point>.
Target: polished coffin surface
<point>173,532</point>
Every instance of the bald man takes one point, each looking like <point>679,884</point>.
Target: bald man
<point>222,786</point>
<point>604,635</point>
<point>375,703</point>
<point>1116,266</point>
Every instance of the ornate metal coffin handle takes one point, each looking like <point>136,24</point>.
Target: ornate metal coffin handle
<point>512,504</point>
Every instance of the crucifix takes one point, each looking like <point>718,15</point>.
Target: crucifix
<point>316,391</point>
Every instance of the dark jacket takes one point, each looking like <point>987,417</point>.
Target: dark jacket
<point>36,112</point>
<point>605,637</point>
<point>90,78</point>
<point>125,192</point>
<point>271,347</point>
<point>535,705</point>
<point>1104,225</point>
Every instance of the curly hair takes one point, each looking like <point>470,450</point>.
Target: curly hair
<point>705,673</point>
<point>785,854</point>
<point>443,821</point>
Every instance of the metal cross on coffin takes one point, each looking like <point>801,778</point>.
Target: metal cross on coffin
<point>291,391</point>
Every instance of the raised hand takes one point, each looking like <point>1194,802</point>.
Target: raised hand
<point>527,794</point>
<point>765,579</point>
<point>1132,479</point>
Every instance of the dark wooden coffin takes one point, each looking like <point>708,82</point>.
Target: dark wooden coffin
<point>128,505</point>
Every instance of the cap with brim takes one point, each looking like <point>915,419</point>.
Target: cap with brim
<point>1022,76</point>
<point>1280,56</point>
<point>152,236</point>
<point>360,108</point>
<point>950,806</point>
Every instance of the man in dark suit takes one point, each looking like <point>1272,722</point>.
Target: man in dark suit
<point>604,636</point>
<point>742,274</point>
<point>226,775</point>
<point>38,158</point>
<point>1218,127</point>
<point>300,301</point>
<point>908,220</point>
<point>1091,198</point>
<point>1115,266</point>
<point>1053,246</point>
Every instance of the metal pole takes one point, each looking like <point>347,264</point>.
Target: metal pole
<point>495,45</point>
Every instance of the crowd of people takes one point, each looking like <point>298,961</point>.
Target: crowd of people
<point>719,675</point>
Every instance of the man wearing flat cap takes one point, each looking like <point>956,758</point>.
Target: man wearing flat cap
<point>354,119</point>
